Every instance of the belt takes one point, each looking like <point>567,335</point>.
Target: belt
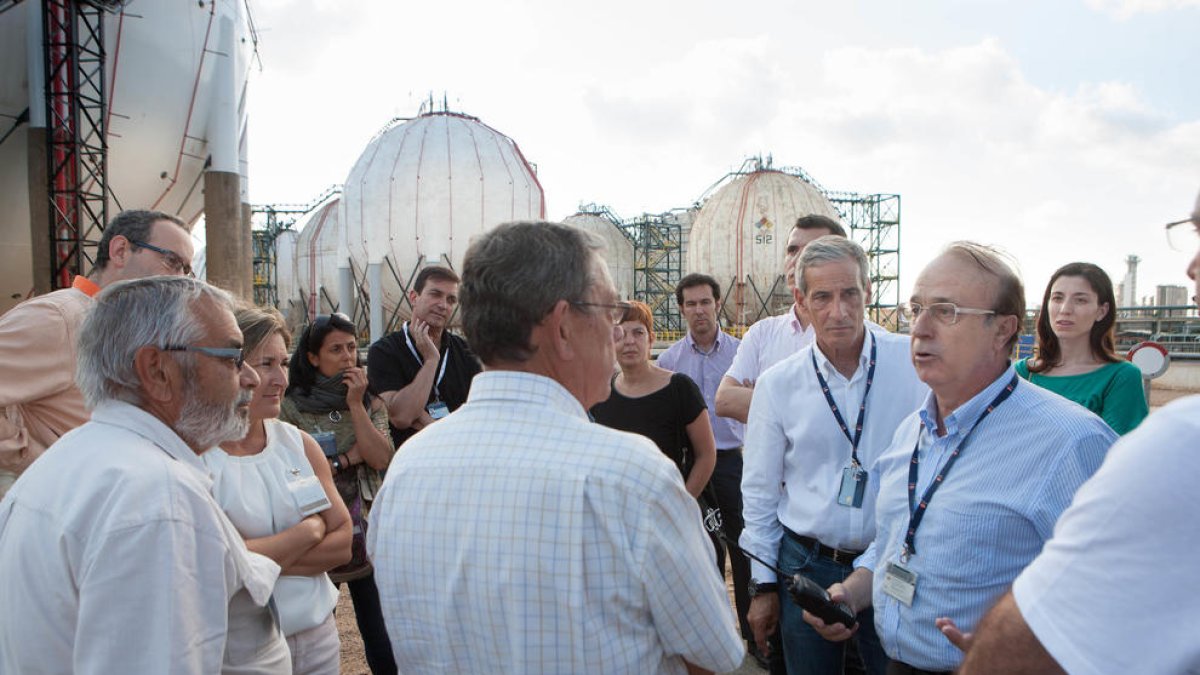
<point>733,449</point>
<point>898,668</point>
<point>837,555</point>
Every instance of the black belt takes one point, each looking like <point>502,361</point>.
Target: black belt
<point>898,668</point>
<point>729,449</point>
<point>837,555</point>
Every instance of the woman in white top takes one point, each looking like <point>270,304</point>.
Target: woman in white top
<point>276,487</point>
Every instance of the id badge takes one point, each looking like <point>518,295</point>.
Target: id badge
<point>327,442</point>
<point>437,410</point>
<point>854,486</point>
<point>900,583</point>
<point>309,495</point>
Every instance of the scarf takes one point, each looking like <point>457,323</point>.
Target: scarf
<point>326,395</point>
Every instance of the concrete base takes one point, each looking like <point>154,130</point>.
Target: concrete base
<point>224,234</point>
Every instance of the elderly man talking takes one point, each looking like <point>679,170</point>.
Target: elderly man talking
<point>516,536</point>
<point>973,481</point>
<point>114,557</point>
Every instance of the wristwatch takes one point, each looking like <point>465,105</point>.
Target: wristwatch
<point>758,588</point>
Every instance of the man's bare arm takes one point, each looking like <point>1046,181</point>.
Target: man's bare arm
<point>733,398</point>
<point>1004,643</point>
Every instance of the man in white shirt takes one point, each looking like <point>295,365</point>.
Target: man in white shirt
<point>515,535</point>
<point>818,418</point>
<point>114,557</point>
<point>773,339</point>
<point>1100,597</point>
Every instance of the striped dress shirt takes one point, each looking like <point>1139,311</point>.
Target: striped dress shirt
<point>515,536</point>
<point>993,512</point>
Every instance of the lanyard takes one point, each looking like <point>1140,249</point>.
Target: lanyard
<point>917,512</point>
<point>862,409</point>
<point>441,373</point>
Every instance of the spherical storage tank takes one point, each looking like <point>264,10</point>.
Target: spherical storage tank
<point>421,190</point>
<point>314,286</point>
<point>740,237</point>
<point>618,250</point>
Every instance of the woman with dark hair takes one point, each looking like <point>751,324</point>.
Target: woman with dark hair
<point>1076,355</point>
<point>276,487</point>
<point>327,397</point>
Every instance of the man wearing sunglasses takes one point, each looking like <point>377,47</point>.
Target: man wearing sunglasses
<point>1114,590</point>
<point>114,556</point>
<point>38,395</point>
<point>973,480</point>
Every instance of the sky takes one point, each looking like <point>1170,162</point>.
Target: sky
<point>1057,130</point>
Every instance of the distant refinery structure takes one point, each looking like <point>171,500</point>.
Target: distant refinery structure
<point>104,109</point>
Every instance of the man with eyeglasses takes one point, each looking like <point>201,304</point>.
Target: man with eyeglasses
<point>114,556</point>
<point>974,480</point>
<point>515,535</point>
<point>37,337</point>
<point>819,419</point>
<point>1101,597</point>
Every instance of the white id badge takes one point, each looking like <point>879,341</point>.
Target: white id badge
<point>900,583</point>
<point>309,495</point>
<point>437,410</point>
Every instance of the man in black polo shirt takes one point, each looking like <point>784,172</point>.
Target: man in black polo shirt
<point>423,372</point>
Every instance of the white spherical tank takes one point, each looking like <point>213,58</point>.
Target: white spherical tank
<point>740,237</point>
<point>162,64</point>
<point>618,250</point>
<point>316,260</point>
<point>422,189</point>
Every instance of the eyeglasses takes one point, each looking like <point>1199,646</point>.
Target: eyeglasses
<point>616,311</point>
<point>945,312</point>
<point>234,354</point>
<point>173,260</point>
<point>1184,238</point>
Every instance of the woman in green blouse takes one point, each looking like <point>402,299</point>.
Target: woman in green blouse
<point>1075,349</point>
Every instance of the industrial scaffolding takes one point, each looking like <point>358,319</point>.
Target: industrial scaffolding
<point>267,222</point>
<point>874,222</point>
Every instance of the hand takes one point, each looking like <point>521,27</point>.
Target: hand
<point>356,384</point>
<point>763,617</point>
<point>953,634</point>
<point>419,331</point>
<point>835,632</point>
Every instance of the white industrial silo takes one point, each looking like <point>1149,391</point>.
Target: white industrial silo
<point>740,238</point>
<point>287,287</point>
<point>316,260</point>
<point>417,195</point>
<point>618,249</point>
<point>175,78</point>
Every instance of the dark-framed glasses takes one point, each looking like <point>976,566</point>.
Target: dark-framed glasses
<point>236,355</point>
<point>1184,235</point>
<point>173,260</point>
<point>945,312</point>
<point>616,311</point>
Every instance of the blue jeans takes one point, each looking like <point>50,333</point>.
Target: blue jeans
<point>804,650</point>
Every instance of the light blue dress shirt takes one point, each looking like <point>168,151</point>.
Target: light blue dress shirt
<point>993,512</point>
<point>706,369</point>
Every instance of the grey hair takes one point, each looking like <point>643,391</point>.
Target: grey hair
<point>827,249</point>
<point>1009,298</point>
<point>132,314</point>
<point>513,275</point>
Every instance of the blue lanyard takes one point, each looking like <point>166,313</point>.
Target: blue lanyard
<point>862,409</point>
<point>917,511</point>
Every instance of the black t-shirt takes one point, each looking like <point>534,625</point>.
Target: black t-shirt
<point>392,364</point>
<point>661,416</point>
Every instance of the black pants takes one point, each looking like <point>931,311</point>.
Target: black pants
<point>369,615</point>
<point>727,484</point>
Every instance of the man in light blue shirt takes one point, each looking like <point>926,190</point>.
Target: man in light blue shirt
<point>974,481</point>
<point>704,354</point>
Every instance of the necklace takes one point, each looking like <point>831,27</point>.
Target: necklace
<point>335,416</point>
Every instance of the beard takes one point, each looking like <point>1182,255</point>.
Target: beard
<point>206,424</point>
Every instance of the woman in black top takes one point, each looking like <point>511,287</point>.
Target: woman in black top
<point>663,406</point>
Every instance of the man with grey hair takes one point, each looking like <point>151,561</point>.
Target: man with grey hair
<point>515,535</point>
<point>974,479</point>
<point>113,534</point>
<point>1100,597</point>
<point>39,401</point>
<point>817,420</point>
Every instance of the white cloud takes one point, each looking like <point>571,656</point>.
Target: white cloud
<point>1124,9</point>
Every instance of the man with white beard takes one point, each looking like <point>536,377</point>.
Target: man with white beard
<point>114,557</point>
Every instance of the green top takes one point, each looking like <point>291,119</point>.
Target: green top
<point>1113,391</point>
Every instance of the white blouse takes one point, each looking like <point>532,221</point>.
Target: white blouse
<point>254,493</point>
